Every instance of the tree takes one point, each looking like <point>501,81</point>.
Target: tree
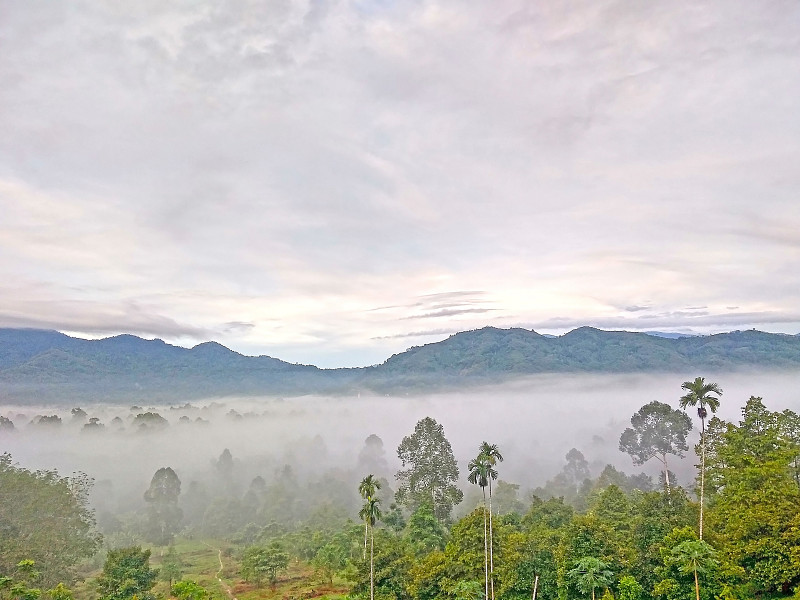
<point>330,559</point>
<point>479,472</point>
<point>467,590</point>
<point>259,561</point>
<point>590,573</point>
<point>127,573</point>
<point>430,470</point>
<point>629,589</point>
<point>657,430</point>
<point>493,456</point>
<point>754,506</point>
<point>189,590</point>
<point>372,457</point>
<point>789,422</point>
<point>693,556</point>
<point>701,394</point>
<point>21,588</point>
<point>170,567</point>
<point>164,516</point>
<point>424,531</point>
<point>45,518</point>
<point>368,488</point>
<point>371,513</point>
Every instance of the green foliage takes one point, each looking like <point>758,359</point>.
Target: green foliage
<point>467,590</point>
<point>629,589</point>
<point>46,518</point>
<point>330,559</point>
<point>171,567</point>
<point>60,592</point>
<point>424,531</point>
<point>756,497</point>
<point>261,561</point>
<point>590,573</point>
<point>127,573</point>
<point>657,430</point>
<point>431,470</point>
<point>189,590</point>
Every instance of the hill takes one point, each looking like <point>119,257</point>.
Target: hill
<point>45,366</point>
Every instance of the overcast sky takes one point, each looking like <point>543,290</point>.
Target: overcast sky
<point>333,182</point>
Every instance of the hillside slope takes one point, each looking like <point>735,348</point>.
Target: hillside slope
<point>47,365</point>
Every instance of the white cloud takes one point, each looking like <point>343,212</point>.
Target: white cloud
<point>294,165</point>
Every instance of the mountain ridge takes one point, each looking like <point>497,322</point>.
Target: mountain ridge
<point>46,364</point>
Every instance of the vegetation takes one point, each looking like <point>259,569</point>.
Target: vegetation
<point>47,366</point>
<point>589,532</point>
<point>701,394</point>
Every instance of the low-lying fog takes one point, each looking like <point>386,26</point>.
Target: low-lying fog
<point>534,422</point>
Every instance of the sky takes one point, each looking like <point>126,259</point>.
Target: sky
<point>332,182</point>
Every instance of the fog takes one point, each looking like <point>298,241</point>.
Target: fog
<point>534,421</point>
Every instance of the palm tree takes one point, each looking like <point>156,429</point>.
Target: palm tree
<point>492,454</point>
<point>371,513</point>
<point>693,556</point>
<point>699,393</point>
<point>479,474</point>
<point>590,573</point>
<point>367,488</point>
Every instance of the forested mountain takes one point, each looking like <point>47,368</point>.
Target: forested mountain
<point>48,365</point>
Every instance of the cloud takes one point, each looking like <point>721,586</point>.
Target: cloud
<point>326,173</point>
<point>425,333</point>
<point>686,321</point>
<point>450,312</point>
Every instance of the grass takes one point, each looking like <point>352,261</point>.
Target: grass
<point>200,562</point>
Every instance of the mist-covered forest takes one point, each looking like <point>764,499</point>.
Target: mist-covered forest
<point>554,487</point>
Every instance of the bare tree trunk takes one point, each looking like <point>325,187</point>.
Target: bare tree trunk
<point>366,528</point>
<point>372,566</point>
<point>696,585</point>
<point>491,542</point>
<point>666,472</point>
<point>535,585</point>
<point>485,548</point>
<point>702,477</point>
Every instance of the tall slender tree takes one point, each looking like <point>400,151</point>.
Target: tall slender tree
<point>701,394</point>
<point>371,513</point>
<point>479,468</point>
<point>492,454</point>
<point>368,488</point>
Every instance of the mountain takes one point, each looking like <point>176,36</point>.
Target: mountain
<point>46,366</point>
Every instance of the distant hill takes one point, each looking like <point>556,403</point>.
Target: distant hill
<point>47,366</point>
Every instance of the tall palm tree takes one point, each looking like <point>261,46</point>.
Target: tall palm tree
<point>701,394</point>
<point>371,513</point>
<point>479,468</point>
<point>368,488</point>
<point>492,454</point>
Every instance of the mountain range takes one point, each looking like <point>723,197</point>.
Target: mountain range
<point>47,366</point>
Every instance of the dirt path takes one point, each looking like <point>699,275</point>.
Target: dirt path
<point>224,585</point>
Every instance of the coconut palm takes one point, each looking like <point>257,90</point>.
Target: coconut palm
<point>493,456</point>
<point>479,469</point>
<point>371,513</point>
<point>701,394</point>
<point>692,556</point>
<point>368,488</point>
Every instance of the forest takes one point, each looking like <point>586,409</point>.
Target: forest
<point>721,519</point>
